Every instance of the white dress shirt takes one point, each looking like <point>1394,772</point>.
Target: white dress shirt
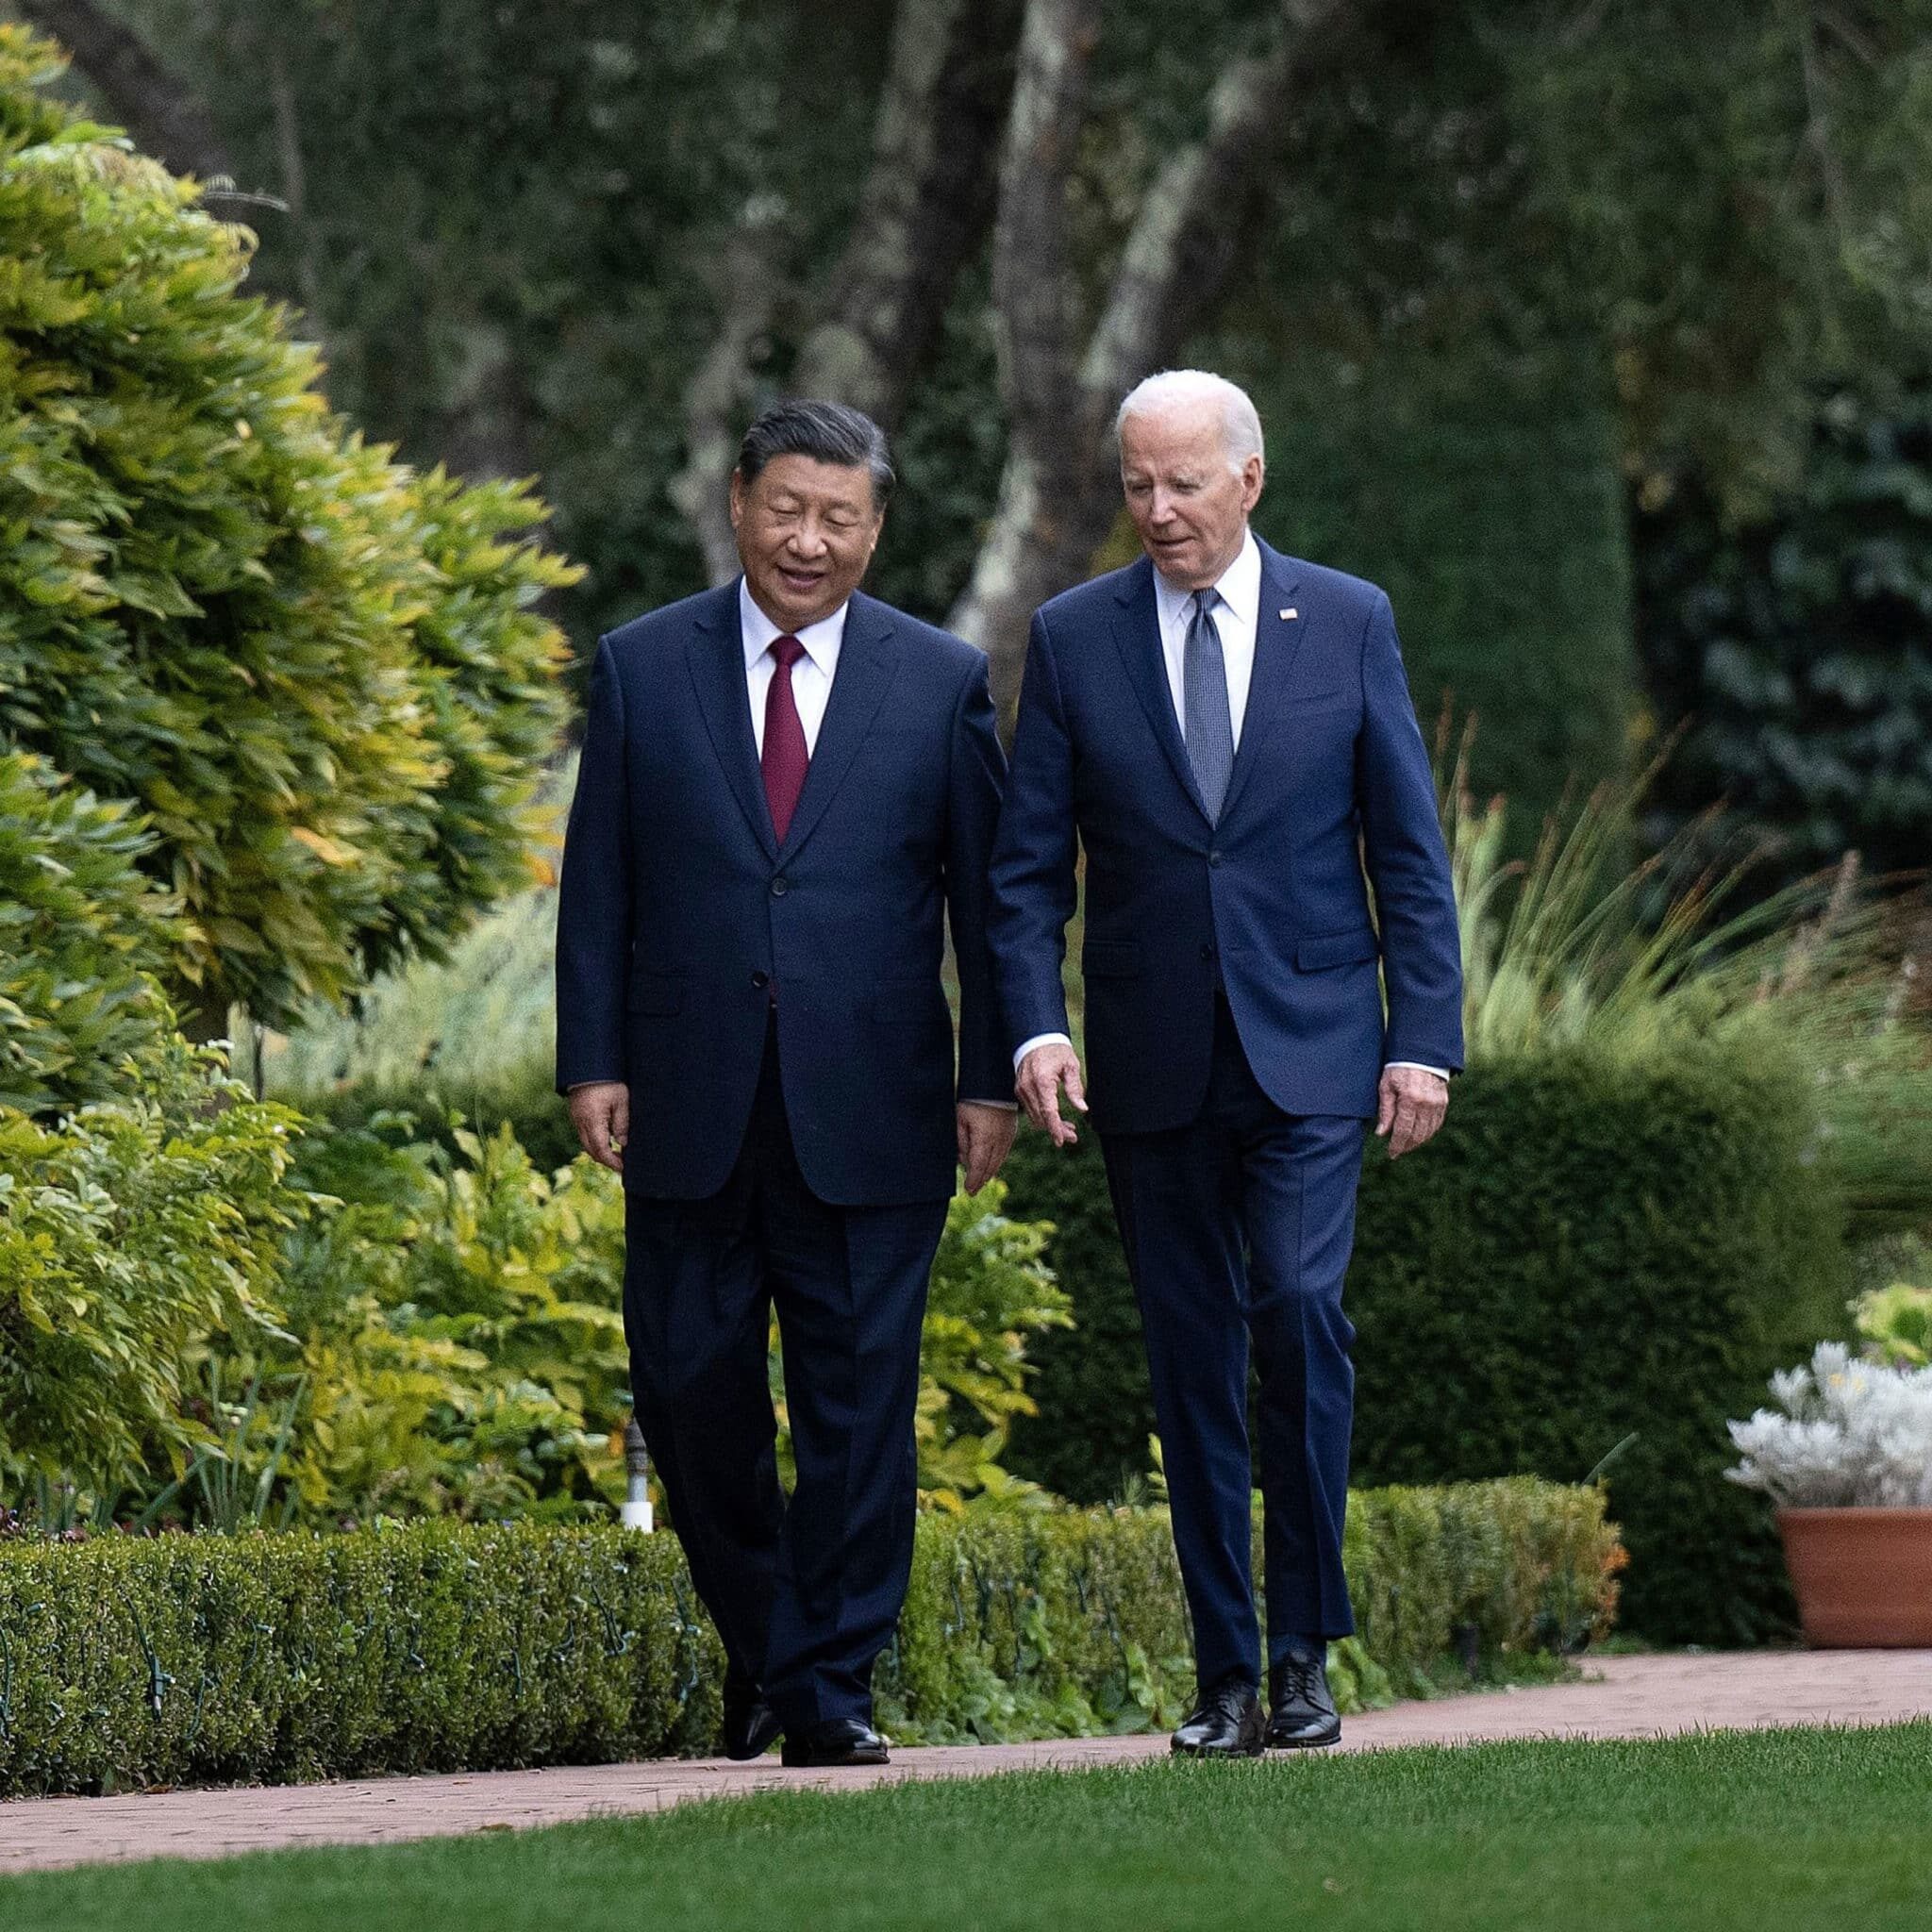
<point>812,676</point>
<point>1235,612</point>
<point>1239,595</point>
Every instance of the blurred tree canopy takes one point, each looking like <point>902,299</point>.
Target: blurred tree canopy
<point>1584,245</point>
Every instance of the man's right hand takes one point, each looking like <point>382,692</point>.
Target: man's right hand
<point>1042,1075</point>
<point>600,1111</point>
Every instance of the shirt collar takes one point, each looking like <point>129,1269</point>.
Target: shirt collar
<point>1240,587</point>
<point>820,640</point>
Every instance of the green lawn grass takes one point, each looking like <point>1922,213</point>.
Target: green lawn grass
<point>1777,1832</point>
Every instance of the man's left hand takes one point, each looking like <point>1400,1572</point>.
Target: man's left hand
<point>1411,1108</point>
<point>986,1137</point>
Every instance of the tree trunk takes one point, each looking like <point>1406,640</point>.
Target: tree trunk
<point>922,214</point>
<point>928,199</point>
<point>1059,495</point>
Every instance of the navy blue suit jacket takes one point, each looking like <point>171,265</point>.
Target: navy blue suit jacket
<point>1330,772</point>
<point>679,911</point>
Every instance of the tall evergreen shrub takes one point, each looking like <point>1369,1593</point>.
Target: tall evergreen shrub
<point>318,672</point>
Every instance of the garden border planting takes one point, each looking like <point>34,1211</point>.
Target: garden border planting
<point>443,1646</point>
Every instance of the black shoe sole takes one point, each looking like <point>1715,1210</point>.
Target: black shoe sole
<point>757,1743</point>
<point>805,1760</point>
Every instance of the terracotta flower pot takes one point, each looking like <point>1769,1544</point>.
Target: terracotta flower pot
<point>1863,1577</point>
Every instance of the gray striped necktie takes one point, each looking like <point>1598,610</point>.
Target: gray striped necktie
<point>1206,721</point>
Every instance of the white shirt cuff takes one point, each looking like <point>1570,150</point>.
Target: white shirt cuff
<point>1061,1040</point>
<point>1039,1040</point>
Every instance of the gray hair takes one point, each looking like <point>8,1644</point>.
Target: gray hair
<point>1241,421</point>
<point>828,433</point>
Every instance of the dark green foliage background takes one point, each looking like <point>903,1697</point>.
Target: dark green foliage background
<point>1589,1249</point>
<point>1482,496</point>
<point>1798,646</point>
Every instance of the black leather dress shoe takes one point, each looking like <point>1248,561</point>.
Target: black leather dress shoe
<point>1301,1711</point>
<point>1226,1724</point>
<point>837,1741</point>
<point>750,1725</point>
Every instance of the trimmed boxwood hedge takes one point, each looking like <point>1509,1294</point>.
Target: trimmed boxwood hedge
<point>1590,1250</point>
<point>443,1646</point>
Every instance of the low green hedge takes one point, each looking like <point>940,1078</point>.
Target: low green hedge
<point>1589,1251</point>
<point>440,1646</point>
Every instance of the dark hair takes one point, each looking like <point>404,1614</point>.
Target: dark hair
<point>826,432</point>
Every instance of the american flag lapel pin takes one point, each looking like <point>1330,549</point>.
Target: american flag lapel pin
<point>1289,615</point>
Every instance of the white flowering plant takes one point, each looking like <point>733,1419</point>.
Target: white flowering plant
<point>1854,1434</point>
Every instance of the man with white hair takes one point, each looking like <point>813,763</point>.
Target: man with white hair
<point>1228,733</point>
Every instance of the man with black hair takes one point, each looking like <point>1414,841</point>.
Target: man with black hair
<point>788,791</point>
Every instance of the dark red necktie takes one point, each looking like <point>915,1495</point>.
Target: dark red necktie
<point>784,758</point>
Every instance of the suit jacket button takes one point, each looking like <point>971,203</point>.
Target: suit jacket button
<point>761,980</point>
<point>780,886</point>
<point>1207,952</point>
<point>1214,859</point>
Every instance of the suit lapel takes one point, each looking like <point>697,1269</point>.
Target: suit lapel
<point>866,666</point>
<point>715,654</point>
<point>1277,641</point>
<point>1137,634</point>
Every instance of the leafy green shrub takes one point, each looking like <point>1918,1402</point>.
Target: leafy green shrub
<point>1576,948</point>
<point>129,1234</point>
<point>317,671</point>
<point>524,1099</point>
<point>458,1339</point>
<point>428,1329</point>
<point>440,1646</point>
<point>1895,1323</point>
<point>81,934</point>
<point>991,1293</point>
<point>1590,1249</point>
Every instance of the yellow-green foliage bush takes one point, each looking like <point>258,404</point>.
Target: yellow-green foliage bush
<point>317,671</point>
<point>459,1342</point>
<point>327,1327</point>
<point>81,934</point>
<point>129,1234</point>
<point>440,1646</point>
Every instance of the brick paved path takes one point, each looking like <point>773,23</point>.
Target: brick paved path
<point>1623,1697</point>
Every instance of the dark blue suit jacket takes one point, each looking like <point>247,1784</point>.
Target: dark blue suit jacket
<point>1330,772</point>
<point>679,910</point>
